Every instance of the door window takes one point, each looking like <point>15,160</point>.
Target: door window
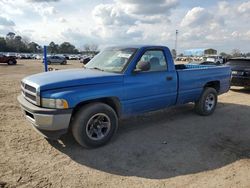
<point>156,59</point>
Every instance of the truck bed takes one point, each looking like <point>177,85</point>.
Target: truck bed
<point>192,66</point>
<point>192,79</point>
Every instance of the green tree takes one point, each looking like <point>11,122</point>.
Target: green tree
<point>3,45</point>
<point>90,49</point>
<point>236,53</point>
<point>223,54</point>
<point>34,47</point>
<point>248,54</point>
<point>19,45</point>
<point>10,36</point>
<point>53,48</point>
<point>66,47</point>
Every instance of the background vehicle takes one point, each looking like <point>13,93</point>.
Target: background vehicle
<point>56,59</point>
<point>10,60</point>
<point>73,57</point>
<point>205,63</point>
<point>85,60</point>
<point>118,82</point>
<point>216,59</point>
<point>240,71</point>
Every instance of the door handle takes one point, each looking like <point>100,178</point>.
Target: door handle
<point>169,78</point>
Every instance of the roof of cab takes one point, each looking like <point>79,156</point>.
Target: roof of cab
<point>138,46</point>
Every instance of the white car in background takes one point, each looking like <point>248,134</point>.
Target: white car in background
<point>215,58</point>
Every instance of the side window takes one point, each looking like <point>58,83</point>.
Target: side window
<point>156,60</point>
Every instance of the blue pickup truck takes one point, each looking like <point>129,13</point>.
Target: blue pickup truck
<point>117,83</point>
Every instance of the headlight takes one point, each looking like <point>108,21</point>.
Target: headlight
<point>54,103</point>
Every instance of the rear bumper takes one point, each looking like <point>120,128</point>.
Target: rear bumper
<point>240,81</point>
<point>51,123</point>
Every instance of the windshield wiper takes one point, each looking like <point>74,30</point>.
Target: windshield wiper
<point>97,68</point>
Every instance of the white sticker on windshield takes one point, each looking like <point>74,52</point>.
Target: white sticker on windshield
<point>124,55</point>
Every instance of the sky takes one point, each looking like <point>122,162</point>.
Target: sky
<point>222,25</point>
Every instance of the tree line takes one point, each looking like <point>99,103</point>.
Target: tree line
<point>235,53</point>
<point>16,43</point>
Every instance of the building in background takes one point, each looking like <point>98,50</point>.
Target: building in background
<point>200,52</point>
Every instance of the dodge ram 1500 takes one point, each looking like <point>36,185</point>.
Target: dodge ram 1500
<point>118,82</point>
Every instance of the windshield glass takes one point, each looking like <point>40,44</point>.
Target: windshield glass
<point>111,59</point>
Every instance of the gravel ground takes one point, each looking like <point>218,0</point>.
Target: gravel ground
<point>169,148</point>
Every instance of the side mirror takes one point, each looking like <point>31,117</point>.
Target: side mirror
<point>142,66</point>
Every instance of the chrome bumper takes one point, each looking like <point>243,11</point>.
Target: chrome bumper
<point>51,123</point>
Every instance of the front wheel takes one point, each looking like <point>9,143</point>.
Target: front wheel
<point>207,103</point>
<point>11,62</point>
<point>94,125</point>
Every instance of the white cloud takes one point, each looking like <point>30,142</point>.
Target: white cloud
<point>132,21</point>
<point>148,7</point>
<point>6,22</point>
<point>110,14</point>
<point>196,17</point>
<point>62,20</point>
<point>224,7</point>
<point>221,25</point>
<point>45,10</point>
<point>39,1</point>
<point>244,8</point>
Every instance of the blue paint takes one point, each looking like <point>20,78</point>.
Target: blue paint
<point>135,92</point>
<point>45,58</point>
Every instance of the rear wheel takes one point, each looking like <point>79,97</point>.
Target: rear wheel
<point>11,62</point>
<point>94,125</point>
<point>207,103</point>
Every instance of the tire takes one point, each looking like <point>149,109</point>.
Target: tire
<point>11,62</point>
<point>48,62</point>
<point>86,121</point>
<point>207,103</point>
<point>64,63</point>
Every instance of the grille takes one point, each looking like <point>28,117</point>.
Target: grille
<point>30,88</point>
<point>29,92</point>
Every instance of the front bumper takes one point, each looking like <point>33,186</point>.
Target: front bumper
<point>240,81</point>
<point>51,123</point>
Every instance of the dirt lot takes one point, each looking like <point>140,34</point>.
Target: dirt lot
<point>169,148</point>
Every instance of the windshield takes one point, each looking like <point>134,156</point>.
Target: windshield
<point>111,59</point>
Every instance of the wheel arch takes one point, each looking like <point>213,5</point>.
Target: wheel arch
<point>213,84</point>
<point>113,102</point>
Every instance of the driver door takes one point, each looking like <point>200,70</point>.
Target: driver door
<point>153,89</point>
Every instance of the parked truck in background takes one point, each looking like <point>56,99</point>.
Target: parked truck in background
<point>117,83</point>
<point>217,59</point>
<point>240,71</point>
<point>10,60</point>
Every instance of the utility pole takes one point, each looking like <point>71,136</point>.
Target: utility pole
<point>176,37</point>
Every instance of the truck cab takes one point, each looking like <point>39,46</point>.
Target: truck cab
<point>119,82</point>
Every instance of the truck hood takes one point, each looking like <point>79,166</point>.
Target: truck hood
<point>71,78</point>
